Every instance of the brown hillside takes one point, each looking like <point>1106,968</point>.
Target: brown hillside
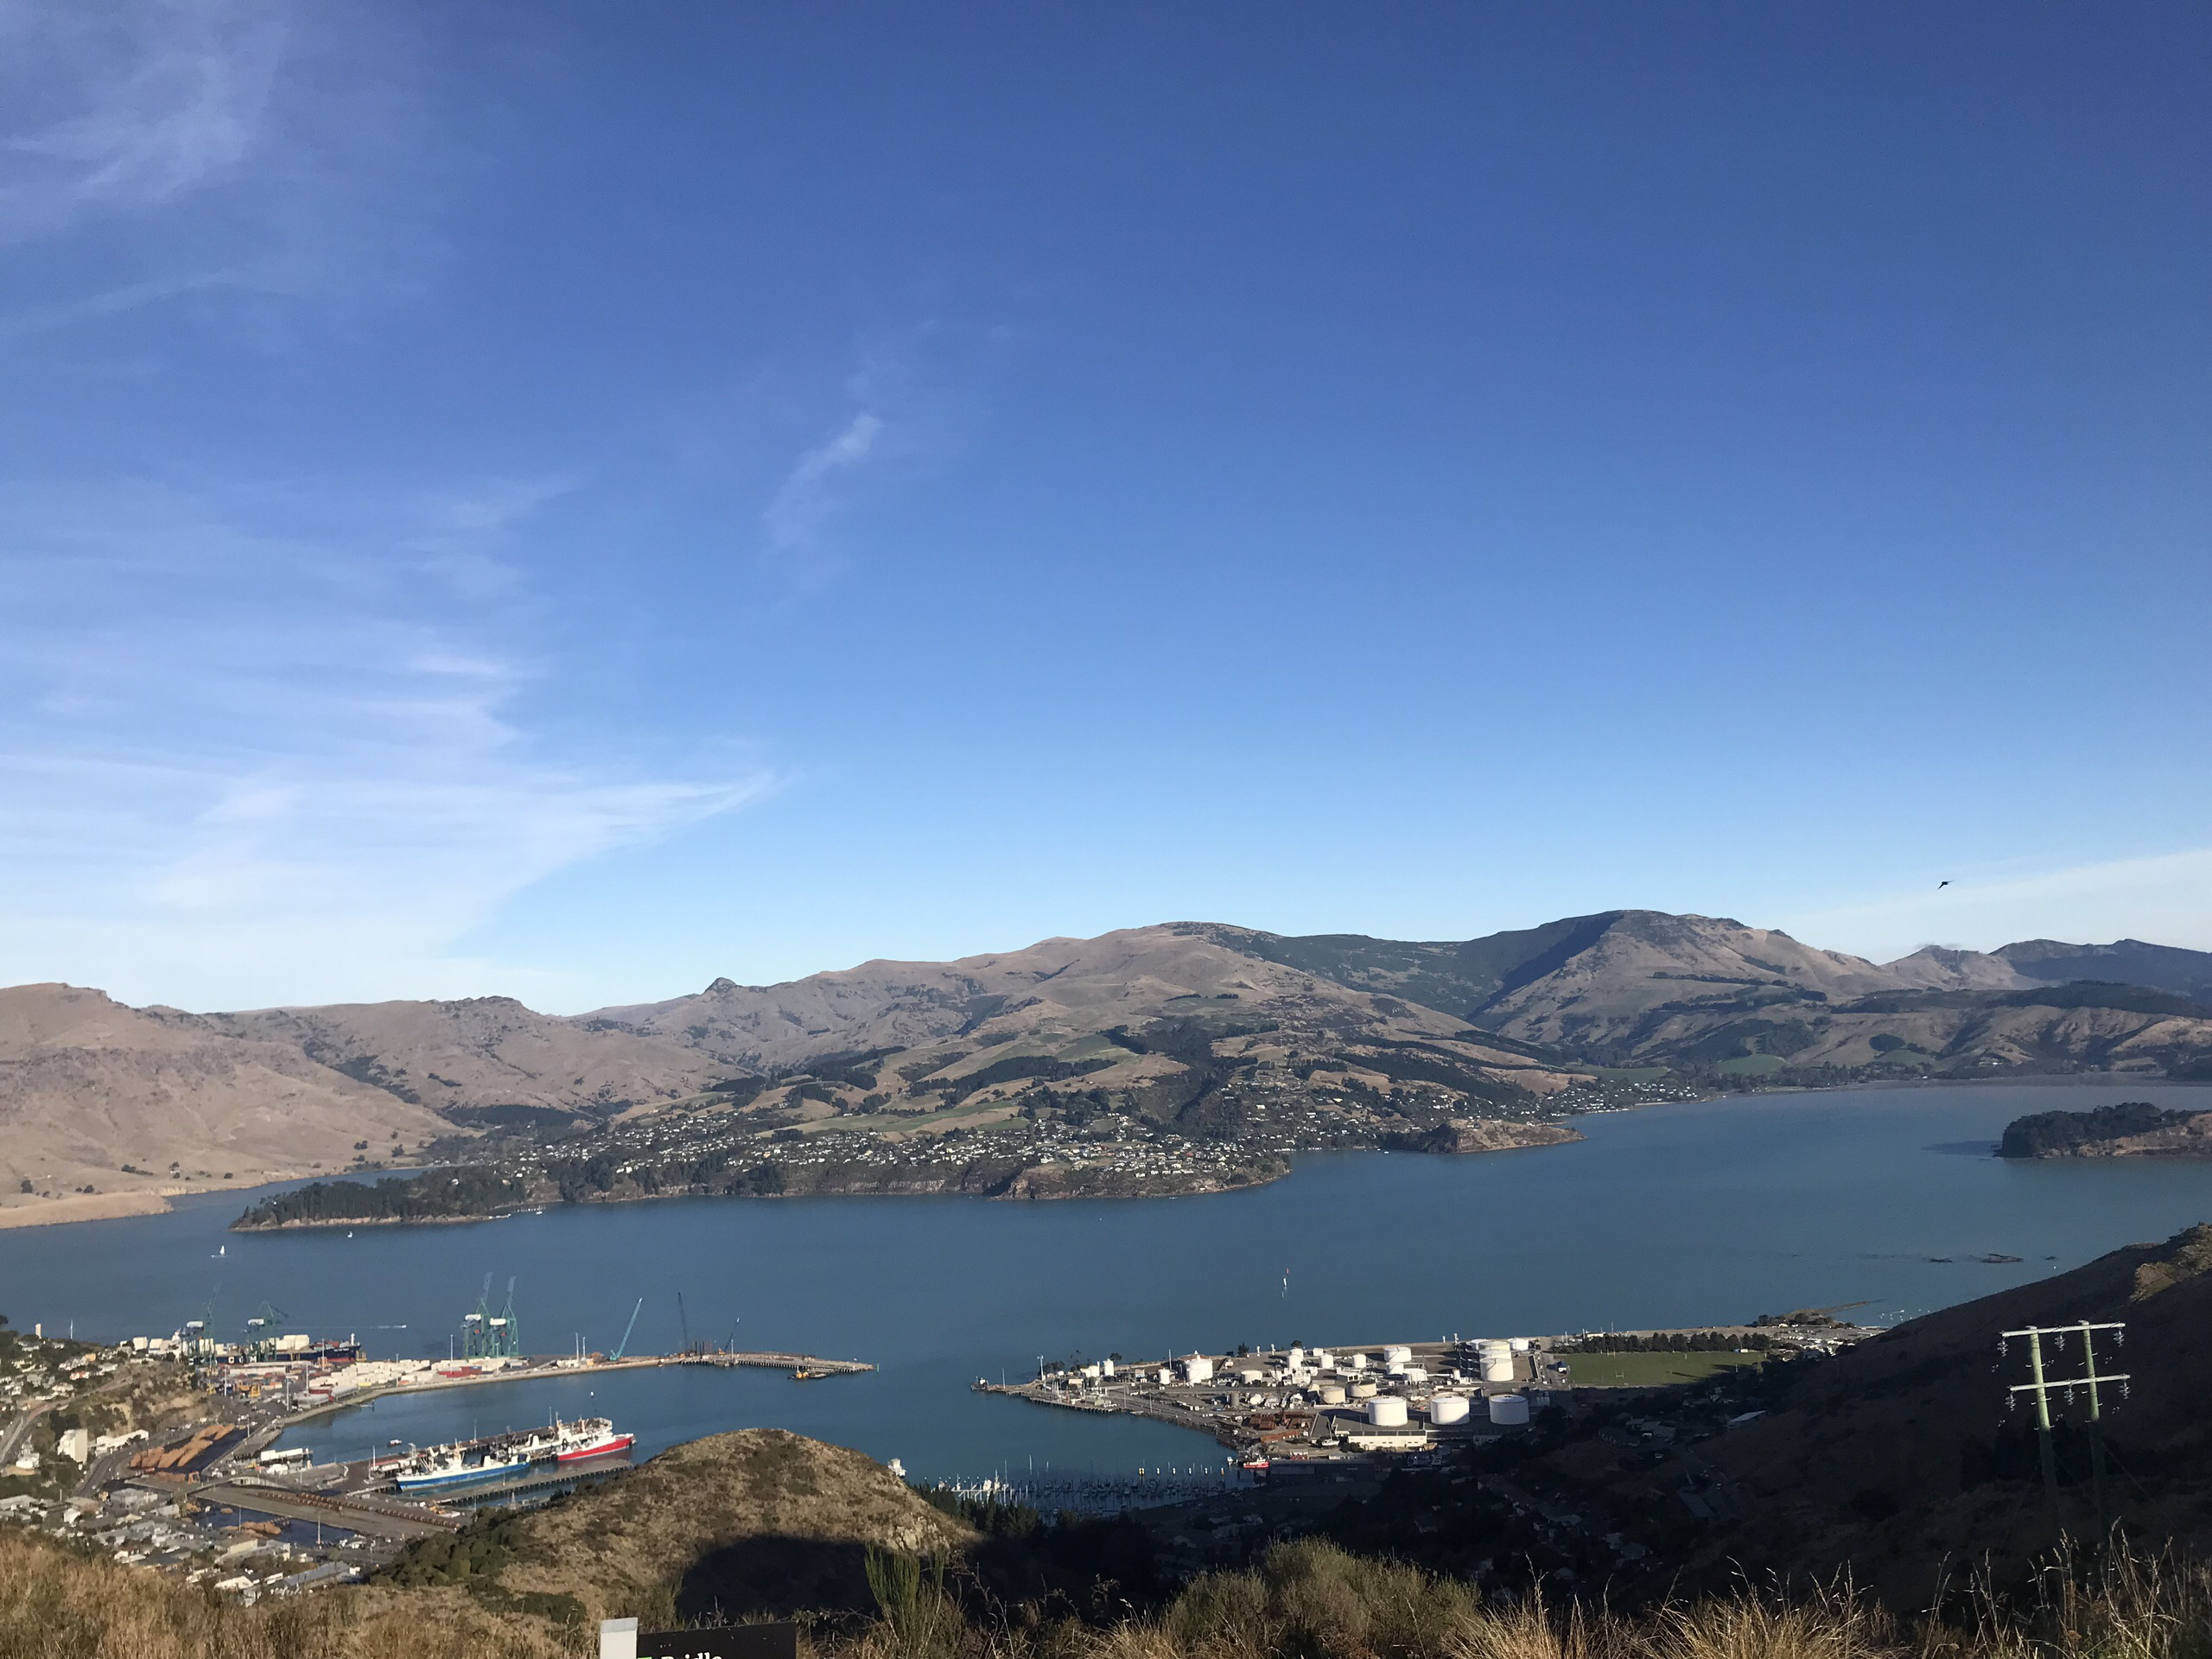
<point>759,1521</point>
<point>484,1051</point>
<point>1646,959</point>
<point>87,1085</point>
<point>1341,1030</point>
<point>1059,987</point>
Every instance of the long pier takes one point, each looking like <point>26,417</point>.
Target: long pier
<point>779,1361</point>
<point>538,1369</point>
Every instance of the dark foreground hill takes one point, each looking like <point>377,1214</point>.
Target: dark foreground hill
<point>1897,1462</point>
<point>1901,1452</point>
<point>1302,1601</point>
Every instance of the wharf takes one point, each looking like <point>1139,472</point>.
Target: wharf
<point>1161,1408</point>
<point>376,1517</point>
<point>779,1361</point>
<point>541,1368</point>
<point>540,1483</point>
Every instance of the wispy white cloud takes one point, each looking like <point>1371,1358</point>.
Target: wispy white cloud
<point>249,754</point>
<point>811,493</point>
<point>166,150</point>
<point>2166,899</point>
<point>125,107</point>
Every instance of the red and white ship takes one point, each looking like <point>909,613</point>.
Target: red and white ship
<point>588,1437</point>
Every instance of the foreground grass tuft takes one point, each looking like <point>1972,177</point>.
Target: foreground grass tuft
<point>1306,1600</point>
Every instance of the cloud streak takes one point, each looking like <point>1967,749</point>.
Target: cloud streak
<point>812,491</point>
<point>246,758</point>
<point>153,151</point>
<point>119,109</point>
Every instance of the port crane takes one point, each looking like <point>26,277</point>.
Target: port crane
<point>486,1335</point>
<point>622,1346</point>
<point>263,1330</point>
<point>198,1334</point>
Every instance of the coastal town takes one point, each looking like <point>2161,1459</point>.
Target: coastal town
<point>163,1451</point>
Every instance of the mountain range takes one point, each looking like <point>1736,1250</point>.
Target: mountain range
<point>1204,1027</point>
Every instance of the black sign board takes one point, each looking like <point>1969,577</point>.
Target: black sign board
<point>731,1641</point>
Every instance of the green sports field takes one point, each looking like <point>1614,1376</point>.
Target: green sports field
<point>1648,1370</point>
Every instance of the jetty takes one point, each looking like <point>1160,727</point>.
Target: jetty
<point>427,1377</point>
<point>794,1362</point>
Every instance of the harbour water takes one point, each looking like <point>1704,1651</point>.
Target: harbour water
<point>1676,1214</point>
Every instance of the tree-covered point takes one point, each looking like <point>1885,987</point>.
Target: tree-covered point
<point>437,1195</point>
<point>2045,1134</point>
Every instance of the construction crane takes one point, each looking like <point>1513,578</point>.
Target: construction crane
<point>622,1347</point>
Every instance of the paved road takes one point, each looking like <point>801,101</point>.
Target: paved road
<point>18,1431</point>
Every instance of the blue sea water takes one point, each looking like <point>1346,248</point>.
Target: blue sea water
<point>1673,1215</point>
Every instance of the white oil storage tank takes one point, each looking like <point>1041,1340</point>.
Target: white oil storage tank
<point>1332,1395</point>
<point>1509,1410</point>
<point>1397,1354</point>
<point>1362,1390</point>
<point>1197,1369</point>
<point>1389,1411</point>
<point>1520,1344</point>
<point>1447,1408</point>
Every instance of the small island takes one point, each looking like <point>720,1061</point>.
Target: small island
<point>2131,1128</point>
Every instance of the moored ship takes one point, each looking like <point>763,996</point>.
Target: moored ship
<point>588,1437</point>
<point>453,1466</point>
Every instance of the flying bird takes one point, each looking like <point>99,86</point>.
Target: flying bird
<point>1940,885</point>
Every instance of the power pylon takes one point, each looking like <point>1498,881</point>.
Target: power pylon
<point>2042,1384</point>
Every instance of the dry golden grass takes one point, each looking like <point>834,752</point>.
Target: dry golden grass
<point>57,1604</point>
<point>1306,1601</point>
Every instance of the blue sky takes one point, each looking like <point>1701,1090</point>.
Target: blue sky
<point>571,501</point>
